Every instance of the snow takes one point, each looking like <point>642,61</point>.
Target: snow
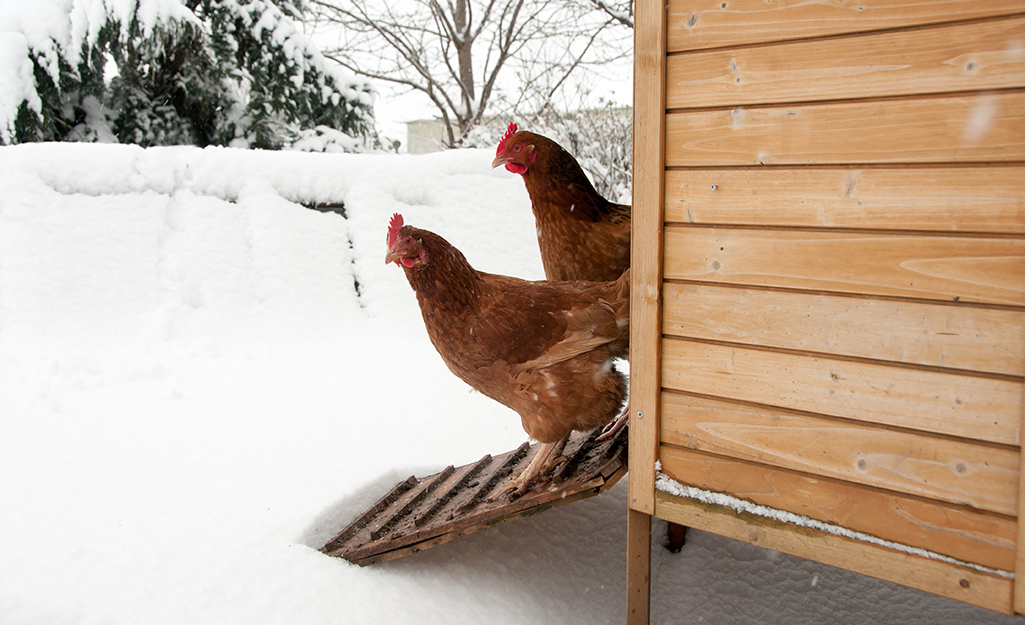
<point>71,24</point>
<point>194,395</point>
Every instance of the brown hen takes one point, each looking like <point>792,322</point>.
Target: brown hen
<point>544,349</point>
<point>582,235</point>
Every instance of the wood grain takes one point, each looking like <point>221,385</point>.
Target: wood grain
<point>970,407</point>
<point>956,531</point>
<point>965,269</point>
<point>948,580</point>
<point>698,24</point>
<point>843,322</point>
<point>957,337</point>
<point>646,250</point>
<point>979,199</point>
<point>956,471</point>
<point>988,127</point>
<point>638,567</point>
<point>959,57</point>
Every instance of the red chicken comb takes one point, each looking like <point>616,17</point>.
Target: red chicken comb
<point>510,131</point>
<point>393,230</point>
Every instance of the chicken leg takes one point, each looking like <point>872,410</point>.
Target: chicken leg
<point>547,457</point>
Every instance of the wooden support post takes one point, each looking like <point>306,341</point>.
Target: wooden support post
<point>638,567</point>
<point>645,297</point>
<point>677,535</point>
<point>646,250</point>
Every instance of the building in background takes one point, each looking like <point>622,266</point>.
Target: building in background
<point>424,136</point>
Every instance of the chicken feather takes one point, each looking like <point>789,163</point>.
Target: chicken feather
<point>582,236</point>
<point>544,349</point>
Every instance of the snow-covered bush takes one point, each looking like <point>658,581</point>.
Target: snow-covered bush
<point>600,138</point>
<point>171,72</point>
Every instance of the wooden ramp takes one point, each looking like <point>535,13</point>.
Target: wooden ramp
<point>421,513</point>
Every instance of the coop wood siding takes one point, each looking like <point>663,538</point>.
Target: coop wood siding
<point>698,24</point>
<point>935,335</point>
<point>956,199</point>
<point>948,580</point>
<point>966,128</point>
<point>956,471</point>
<point>951,268</point>
<point>956,531</point>
<point>979,408</point>
<point>960,57</point>
<point>843,277</point>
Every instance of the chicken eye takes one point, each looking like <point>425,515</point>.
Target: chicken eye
<point>517,148</point>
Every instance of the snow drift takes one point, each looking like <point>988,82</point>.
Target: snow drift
<point>202,379</point>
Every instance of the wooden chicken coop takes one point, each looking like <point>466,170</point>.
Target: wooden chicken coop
<point>828,304</point>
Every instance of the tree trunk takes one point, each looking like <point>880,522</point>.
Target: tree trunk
<point>464,51</point>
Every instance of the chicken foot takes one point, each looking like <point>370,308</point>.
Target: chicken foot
<point>614,426</point>
<point>548,456</point>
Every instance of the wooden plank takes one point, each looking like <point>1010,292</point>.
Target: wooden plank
<point>936,335</point>
<point>948,268</point>
<point>976,408</point>
<point>479,523</point>
<point>959,57</point>
<point>422,513</point>
<point>646,249</point>
<point>948,580</point>
<point>638,567</point>
<point>955,531</point>
<point>981,199</point>
<point>968,128</point>
<point>698,24</point>
<point>956,471</point>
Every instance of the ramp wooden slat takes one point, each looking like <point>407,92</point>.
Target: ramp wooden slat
<point>420,513</point>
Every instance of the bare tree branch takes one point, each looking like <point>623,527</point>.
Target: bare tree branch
<point>621,11</point>
<point>457,52</point>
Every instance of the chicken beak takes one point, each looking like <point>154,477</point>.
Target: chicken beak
<point>392,257</point>
<point>499,160</point>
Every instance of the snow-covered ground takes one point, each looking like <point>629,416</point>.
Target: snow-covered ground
<point>194,395</point>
